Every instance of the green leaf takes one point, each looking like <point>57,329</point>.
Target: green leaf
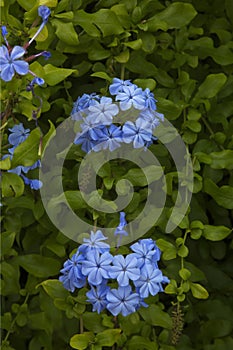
<point>66,32</point>
<point>168,249</point>
<point>48,135</point>
<point>141,343</point>
<point>216,233</point>
<point>26,153</point>
<point>12,185</point>
<point>54,75</point>
<point>199,291</point>
<point>55,289</point>
<point>184,274</point>
<point>81,341</point>
<point>156,317</point>
<point>145,83</point>
<point>176,15</point>
<point>107,21</point>
<point>211,86</point>
<point>222,159</point>
<point>39,266</point>
<point>102,75</point>
<point>5,164</point>
<point>171,110</point>
<point>7,240</point>
<point>93,322</point>
<point>135,45</point>
<point>222,195</point>
<point>145,176</point>
<point>108,337</point>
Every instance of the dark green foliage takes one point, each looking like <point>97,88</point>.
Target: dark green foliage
<point>183,51</point>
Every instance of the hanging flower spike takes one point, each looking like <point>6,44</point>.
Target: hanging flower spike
<point>44,13</point>
<point>11,63</point>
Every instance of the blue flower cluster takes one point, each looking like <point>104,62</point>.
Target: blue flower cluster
<point>100,128</point>
<point>17,136</point>
<point>11,59</point>
<point>137,274</point>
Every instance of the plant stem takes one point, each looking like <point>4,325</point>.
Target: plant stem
<point>14,320</point>
<point>81,329</point>
<point>123,71</point>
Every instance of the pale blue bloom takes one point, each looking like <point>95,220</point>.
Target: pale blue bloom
<point>107,138</point>
<point>96,266</point>
<point>33,183</point>
<point>11,63</point>
<point>103,111</point>
<point>149,281</point>
<point>139,133</point>
<point>85,140</point>
<point>150,101</point>
<point>83,103</point>
<point>97,297</point>
<point>4,34</point>
<point>146,252</point>
<point>18,134</point>
<point>120,228</point>
<point>72,275</point>
<point>122,301</point>
<point>44,12</point>
<point>95,241</point>
<point>117,85</point>
<point>124,269</point>
<point>131,96</point>
<point>150,117</point>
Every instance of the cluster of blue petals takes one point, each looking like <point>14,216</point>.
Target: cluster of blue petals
<point>100,128</point>
<point>18,135</point>
<point>12,59</point>
<point>136,275</point>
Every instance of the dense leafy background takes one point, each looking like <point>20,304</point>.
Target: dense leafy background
<point>183,51</point>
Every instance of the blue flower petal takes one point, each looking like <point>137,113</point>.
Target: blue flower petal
<point>21,67</point>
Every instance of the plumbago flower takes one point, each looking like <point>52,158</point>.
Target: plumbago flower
<point>137,274</point>
<point>19,134</point>
<point>100,129</point>
<point>12,60</point>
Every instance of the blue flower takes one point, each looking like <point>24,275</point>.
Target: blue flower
<point>120,228</point>
<point>139,133</point>
<point>146,252</point>
<point>117,85</point>
<point>131,96</point>
<point>4,34</point>
<point>107,138</point>
<point>124,269</point>
<point>18,134</point>
<point>150,101</point>
<point>152,118</point>
<point>83,103</point>
<point>102,112</point>
<point>149,282</point>
<point>96,267</point>
<point>72,275</point>
<point>85,140</point>
<point>4,31</point>
<point>95,241</point>
<point>34,183</point>
<point>122,300</point>
<point>97,297</point>
<point>44,12</point>
<point>11,63</point>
